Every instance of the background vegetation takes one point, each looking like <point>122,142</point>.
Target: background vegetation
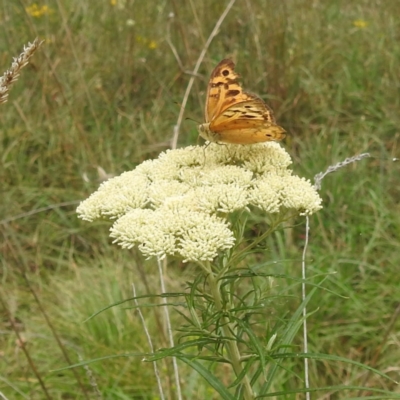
<point>103,94</point>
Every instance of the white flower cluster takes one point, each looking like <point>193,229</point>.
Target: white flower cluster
<point>176,203</point>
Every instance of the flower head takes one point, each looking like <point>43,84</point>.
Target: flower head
<point>37,11</point>
<point>360,23</point>
<point>177,204</point>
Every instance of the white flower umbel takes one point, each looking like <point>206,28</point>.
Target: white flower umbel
<point>178,203</point>
<point>173,229</point>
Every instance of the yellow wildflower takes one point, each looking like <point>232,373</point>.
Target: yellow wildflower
<point>152,44</point>
<point>37,11</point>
<point>360,23</point>
<point>119,3</point>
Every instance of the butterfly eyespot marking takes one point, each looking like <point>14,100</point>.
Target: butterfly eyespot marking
<point>234,116</point>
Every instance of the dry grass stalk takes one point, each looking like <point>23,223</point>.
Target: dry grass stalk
<point>11,75</point>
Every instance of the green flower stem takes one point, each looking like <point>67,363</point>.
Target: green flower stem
<point>227,329</point>
<point>258,240</point>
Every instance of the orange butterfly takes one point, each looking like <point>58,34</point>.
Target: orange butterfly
<point>234,116</point>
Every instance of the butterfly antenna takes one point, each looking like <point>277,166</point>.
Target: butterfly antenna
<point>180,106</point>
<point>191,119</point>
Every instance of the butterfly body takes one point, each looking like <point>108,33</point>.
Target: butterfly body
<point>234,116</point>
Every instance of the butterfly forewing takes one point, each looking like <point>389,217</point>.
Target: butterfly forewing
<point>222,89</point>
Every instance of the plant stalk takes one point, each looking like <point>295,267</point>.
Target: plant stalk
<point>227,329</point>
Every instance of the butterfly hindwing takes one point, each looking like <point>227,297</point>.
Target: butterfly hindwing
<point>234,116</point>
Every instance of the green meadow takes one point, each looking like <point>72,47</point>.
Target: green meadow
<point>103,94</point>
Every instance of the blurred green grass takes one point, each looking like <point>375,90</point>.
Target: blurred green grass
<point>105,91</point>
